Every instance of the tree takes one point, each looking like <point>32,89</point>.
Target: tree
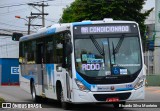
<point>99,9</point>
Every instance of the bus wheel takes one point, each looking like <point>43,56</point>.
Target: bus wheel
<point>119,105</point>
<point>35,98</point>
<point>64,104</point>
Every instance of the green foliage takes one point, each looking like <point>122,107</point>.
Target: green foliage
<point>99,9</point>
<point>1,101</point>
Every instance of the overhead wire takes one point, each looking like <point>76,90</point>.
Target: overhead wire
<point>12,30</point>
<point>7,6</point>
<point>10,25</point>
<point>13,11</point>
<point>20,4</point>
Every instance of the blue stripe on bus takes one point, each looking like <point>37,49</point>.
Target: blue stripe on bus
<point>28,77</point>
<point>51,31</point>
<point>83,81</point>
<point>82,23</point>
<point>50,73</point>
<point>93,85</point>
<point>124,89</point>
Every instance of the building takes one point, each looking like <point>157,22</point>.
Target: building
<point>150,30</point>
<point>150,56</point>
<point>9,65</point>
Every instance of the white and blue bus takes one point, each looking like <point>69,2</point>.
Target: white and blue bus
<point>84,62</point>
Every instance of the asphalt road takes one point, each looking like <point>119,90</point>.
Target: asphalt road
<point>16,94</point>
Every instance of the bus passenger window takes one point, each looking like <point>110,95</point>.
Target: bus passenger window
<point>49,50</point>
<point>58,48</point>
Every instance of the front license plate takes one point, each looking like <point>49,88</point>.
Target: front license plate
<point>115,99</point>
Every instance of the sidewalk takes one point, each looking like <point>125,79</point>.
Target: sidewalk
<point>153,89</point>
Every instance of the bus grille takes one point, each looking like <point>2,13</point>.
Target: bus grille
<point>103,97</point>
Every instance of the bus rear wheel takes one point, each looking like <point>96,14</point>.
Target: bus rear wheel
<point>64,104</point>
<point>35,98</point>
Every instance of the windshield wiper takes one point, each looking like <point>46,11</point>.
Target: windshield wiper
<point>116,49</point>
<point>96,44</point>
<point>113,52</point>
<point>118,45</point>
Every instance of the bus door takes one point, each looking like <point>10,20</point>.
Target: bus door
<point>68,66</point>
<point>40,62</point>
<point>68,82</point>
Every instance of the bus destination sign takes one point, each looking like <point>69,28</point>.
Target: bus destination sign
<point>105,29</point>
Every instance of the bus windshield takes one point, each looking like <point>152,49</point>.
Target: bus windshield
<point>107,56</point>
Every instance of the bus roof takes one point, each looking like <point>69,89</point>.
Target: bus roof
<point>66,26</point>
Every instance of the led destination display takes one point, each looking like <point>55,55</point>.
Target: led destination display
<point>105,29</point>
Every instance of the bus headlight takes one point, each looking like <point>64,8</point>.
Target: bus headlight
<point>81,86</point>
<point>139,84</point>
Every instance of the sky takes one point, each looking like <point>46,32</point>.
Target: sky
<point>9,9</point>
<point>149,4</point>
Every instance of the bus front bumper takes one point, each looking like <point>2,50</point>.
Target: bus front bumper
<point>97,97</point>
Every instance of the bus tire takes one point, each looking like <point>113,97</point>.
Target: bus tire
<point>35,98</point>
<point>64,105</point>
<point>118,105</point>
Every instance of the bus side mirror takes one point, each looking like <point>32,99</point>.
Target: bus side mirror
<point>68,48</point>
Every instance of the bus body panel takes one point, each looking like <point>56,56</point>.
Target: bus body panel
<point>25,84</point>
<point>87,96</point>
<point>50,77</point>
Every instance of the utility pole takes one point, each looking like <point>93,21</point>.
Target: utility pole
<point>30,18</point>
<point>41,12</point>
<point>29,24</point>
<point>43,22</point>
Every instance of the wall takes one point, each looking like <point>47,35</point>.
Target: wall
<point>9,71</point>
